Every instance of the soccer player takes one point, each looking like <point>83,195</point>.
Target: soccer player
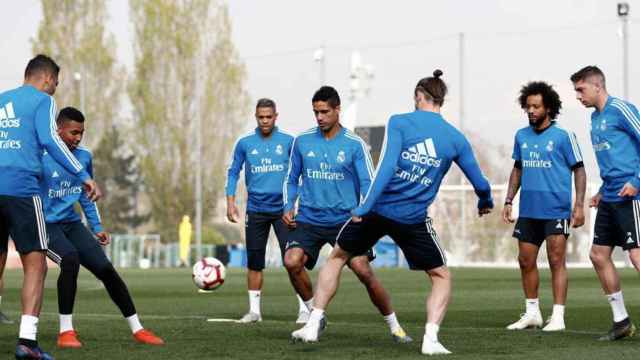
<point>27,127</point>
<point>4,319</point>
<point>417,152</point>
<point>615,135</point>
<point>330,168</point>
<point>545,157</point>
<point>264,153</point>
<point>70,242</point>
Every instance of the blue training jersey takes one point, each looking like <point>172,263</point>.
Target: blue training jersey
<point>266,161</point>
<point>615,135</point>
<point>61,190</point>
<point>417,152</point>
<point>329,176</point>
<point>547,159</point>
<point>27,125</point>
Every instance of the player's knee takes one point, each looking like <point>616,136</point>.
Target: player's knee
<point>106,272</point>
<point>596,257</point>
<point>556,260</point>
<point>293,261</point>
<point>255,260</point>
<point>526,262</point>
<point>634,256</point>
<point>70,263</point>
<point>364,273</point>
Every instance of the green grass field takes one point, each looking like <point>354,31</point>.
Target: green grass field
<point>484,301</point>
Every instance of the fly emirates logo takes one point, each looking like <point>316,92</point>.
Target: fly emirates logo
<point>65,190</point>
<point>266,166</point>
<point>326,172</point>
<point>536,162</point>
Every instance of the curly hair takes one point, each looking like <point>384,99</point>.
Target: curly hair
<point>550,97</point>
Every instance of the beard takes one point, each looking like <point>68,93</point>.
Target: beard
<point>536,121</point>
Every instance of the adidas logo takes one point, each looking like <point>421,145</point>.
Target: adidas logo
<point>525,146</point>
<point>8,117</point>
<point>559,224</point>
<point>55,174</point>
<point>629,238</point>
<point>254,152</point>
<point>423,153</point>
<point>311,154</point>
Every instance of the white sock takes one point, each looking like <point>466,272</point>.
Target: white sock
<point>316,315</point>
<point>558,311</point>
<point>134,323</point>
<point>66,324</point>
<point>431,331</point>
<point>309,305</point>
<point>28,327</point>
<point>617,306</point>
<point>302,306</point>
<point>392,321</point>
<point>532,306</point>
<point>254,301</point>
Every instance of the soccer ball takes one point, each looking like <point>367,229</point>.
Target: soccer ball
<point>208,273</point>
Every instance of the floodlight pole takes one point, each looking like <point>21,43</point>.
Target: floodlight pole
<point>463,196</point>
<point>623,14</point>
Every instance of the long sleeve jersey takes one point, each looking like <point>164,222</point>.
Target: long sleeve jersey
<point>615,136</point>
<point>417,152</point>
<point>61,190</point>
<point>328,176</point>
<point>546,159</point>
<point>266,161</point>
<point>27,126</point>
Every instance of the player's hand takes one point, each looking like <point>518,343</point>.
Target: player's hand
<point>232,213</point>
<point>104,238</point>
<point>628,190</point>
<point>506,214</point>
<point>577,217</point>
<point>484,211</point>
<point>595,200</point>
<point>93,190</point>
<point>289,219</point>
<point>356,219</point>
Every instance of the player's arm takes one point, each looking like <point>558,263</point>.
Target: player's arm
<point>290,186</point>
<point>364,168</point>
<point>572,153</point>
<point>237,161</point>
<point>90,210</point>
<point>631,124</point>
<point>391,148</point>
<point>469,166</point>
<point>514,183</point>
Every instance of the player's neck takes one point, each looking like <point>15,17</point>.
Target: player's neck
<point>602,101</point>
<point>543,126</point>
<point>428,106</point>
<point>331,133</point>
<point>36,84</point>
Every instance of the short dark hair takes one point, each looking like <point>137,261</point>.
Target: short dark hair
<point>550,97</point>
<point>327,94</point>
<point>433,88</point>
<point>587,72</point>
<point>69,114</point>
<point>266,103</point>
<point>41,63</point>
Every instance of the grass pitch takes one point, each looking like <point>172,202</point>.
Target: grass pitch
<point>484,301</point>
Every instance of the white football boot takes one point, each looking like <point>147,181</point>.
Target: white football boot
<point>555,323</point>
<point>250,317</point>
<point>526,321</point>
<point>431,347</point>
<point>303,317</point>
<point>310,333</point>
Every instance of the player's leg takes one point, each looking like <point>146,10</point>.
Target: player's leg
<point>63,253</point>
<point>421,247</point>
<point>256,234</point>
<point>302,252</point>
<point>379,296</point>
<point>530,235</point>
<point>92,257</point>
<point>282,234</point>
<point>558,232</point>
<point>26,227</point>
<point>4,250</point>
<point>609,233</point>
